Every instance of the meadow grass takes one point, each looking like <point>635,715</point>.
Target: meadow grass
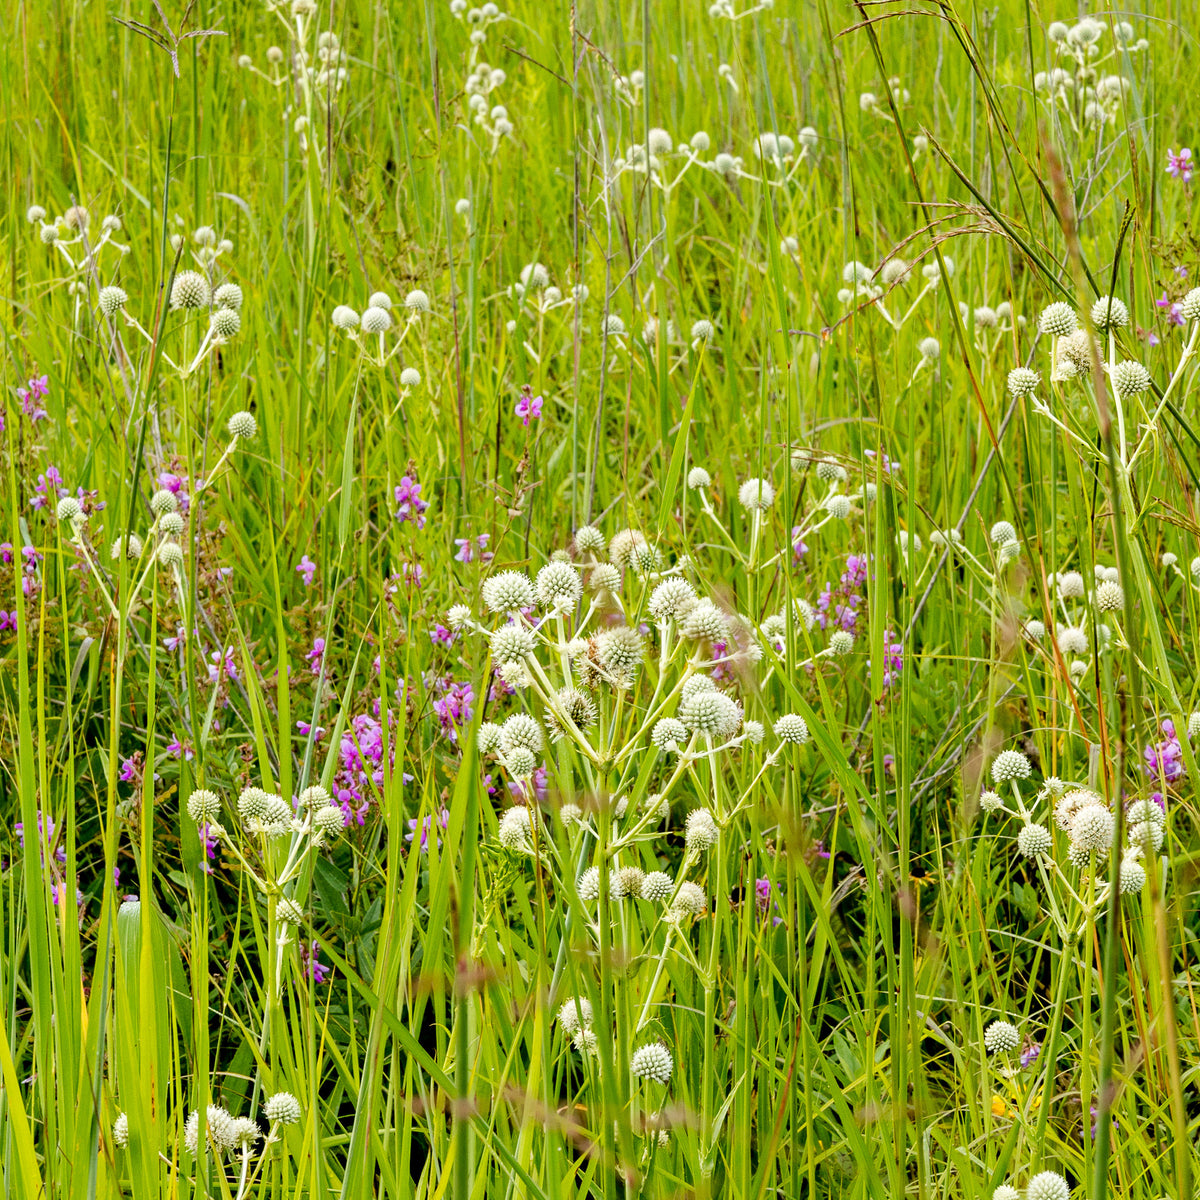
<point>832,835</point>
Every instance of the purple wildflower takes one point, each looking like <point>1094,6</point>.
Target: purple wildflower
<point>1180,165</point>
<point>529,406</point>
<point>307,569</point>
<point>409,505</point>
<point>443,820</point>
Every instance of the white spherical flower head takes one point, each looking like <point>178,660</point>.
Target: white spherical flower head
<point>756,493</point>
<point>652,1061</point>
<point>112,299</point>
<point>668,732</point>
<point>1010,764</point>
<point>376,320</point>
<point>1047,1185</point>
<point>837,506</point>
<point>574,1015</point>
<point>1092,828</point>
<point>69,509</point>
<point>702,330</point>
<point>1109,596</point>
<point>894,271</point>
<point>605,580</point>
<point>705,622</point>
<point>35,213</point>
<point>131,548</point>
<point>659,141</point>
<point>588,885</point>
<point>831,472</point>
<point>379,300</point>
<point>698,478</point>
<point>613,325</point>
<point>225,322</point>
<point>508,592</point>
<point>288,912</point>
<point>1002,532</point>
<point>515,828</point>
<point>203,806</point>
<point>1035,629</point>
<point>1190,305</point>
<point>228,295</point>
<point>242,425</point>
<point>711,715</point>
<point>1131,876</point>
<point>163,501</point>
<point>1131,378</point>
<point>1023,381</point>
<point>520,731</point>
<point>700,830</point>
<point>49,235</point>
<point>330,821</point>
<point>170,554</point>
<point>1058,320</point>
<point>985,317</point>
<point>511,643</point>
<point>314,798</point>
<point>930,349</point>
<point>589,540</point>
<point>1072,639</point>
<point>120,1131</point>
<point>1071,585</point>
<point>559,586</point>
<point>672,599</point>
<point>621,548</point>
<point>1034,839</point>
<point>189,290</point>
<point>1109,313</point>
<point>410,377</point>
<point>417,301</point>
<point>344,317</point>
<point>990,802</point>
<point>1000,1037</point>
<point>657,886</point>
<point>792,728</point>
<point>282,1107</point>
<point>841,642</point>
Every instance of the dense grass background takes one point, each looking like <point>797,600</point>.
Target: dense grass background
<point>837,1052</point>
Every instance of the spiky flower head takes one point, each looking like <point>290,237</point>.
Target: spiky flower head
<point>1190,305</point>
<point>376,320</point>
<point>588,885</point>
<point>652,1061</point>
<point>756,494</point>
<point>575,705</point>
<point>657,886</point>
<point>488,739</point>
<point>753,731</point>
<point>589,540</point>
<point>1001,1036</point>
<point>1058,320</point>
<point>120,1131</point>
<point>1131,876</point>
<point>574,1015</point>
<point>315,797</point>
<point>1072,639</point>
<point>288,912</point>
<point>172,524</point>
<point>189,290</point>
<point>702,330</point>
<point>1023,381</point>
<point>1131,378</point>
<point>1070,585</point>
<point>558,586</point>
<point>1010,764</point>
<point>605,579</point>
<point>1001,532</point>
<point>517,827</point>
<point>1145,810</point>
<point>131,547</point>
<point>344,317</point>
<point>282,1107</point>
<point>837,506</point>
<point>690,900</point>
<point>417,301</point>
<point>521,731</point>
<point>668,731</point>
<point>830,471</point>
<point>203,806</point>
<point>228,295</point>
<point>253,803</point>
<point>1047,1185</point>
<point>1109,313</point>
<point>672,599</point>
<point>225,322</point>
<point>792,727</point>
<point>620,650</point>
<point>1034,839</point>
<point>219,1124</point>
<point>329,821</point>
<point>1109,596</point>
<point>508,592</point>
<point>49,235</point>
<point>930,349</point>
<point>68,509</point>
<point>711,714</point>
<point>698,478</point>
<point>1092,828</point>
<point>170,554</point>
<point>1149,835</point>
<point>242,425</point>
<point>112,299</point>
<point>990,802</point>
<point>511,643</point>
<point>621,548</point>
<point>706,622</point>
<point>700,830</point>
<point>841,642</point>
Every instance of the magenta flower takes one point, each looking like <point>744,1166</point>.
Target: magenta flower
<point>409,505</point>
<point>1180,165</point>
<point>8,620</point>
<point>466,549</point>
<point>1175,315</point>
<point>529,406</point>
<point>314,655</point>
<point>307,569</point>
<point>38,389</point>
<point>441,636</point>
<point>310,962</point>
<point>426,827</point>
